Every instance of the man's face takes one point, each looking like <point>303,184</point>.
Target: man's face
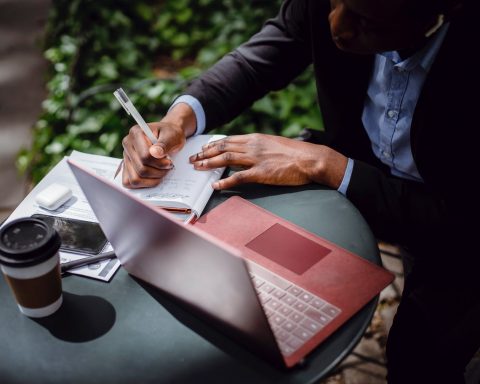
<point>373,26</point>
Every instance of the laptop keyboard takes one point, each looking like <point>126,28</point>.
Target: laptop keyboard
<point>295,315</point>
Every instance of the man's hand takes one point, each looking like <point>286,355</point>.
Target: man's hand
<point>274,160</point>
<point>145,164</point>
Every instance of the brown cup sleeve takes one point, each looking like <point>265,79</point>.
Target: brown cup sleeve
<point>39,291</point>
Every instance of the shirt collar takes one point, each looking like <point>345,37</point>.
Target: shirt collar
<point>424,57</point>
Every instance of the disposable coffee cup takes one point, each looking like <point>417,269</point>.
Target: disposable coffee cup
<point>30,261</point>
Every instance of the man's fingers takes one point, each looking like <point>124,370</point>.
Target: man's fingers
<point>139,155</point>
<point>136,144</point>
<point>217,148</point>
<point>150,177</point>
<point>146,166</point>
<point>224,160</point>
<point>240,177</point>
<point>125,177</point>
<point>235,139</point>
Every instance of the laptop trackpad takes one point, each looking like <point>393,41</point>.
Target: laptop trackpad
<point>288,248</point>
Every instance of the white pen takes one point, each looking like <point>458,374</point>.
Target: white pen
<point>127,104</point>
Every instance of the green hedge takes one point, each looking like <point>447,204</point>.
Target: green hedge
<point>151,49</point>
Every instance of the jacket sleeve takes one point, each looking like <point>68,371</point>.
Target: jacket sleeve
<point>268,61</point>
<point>397,210</point>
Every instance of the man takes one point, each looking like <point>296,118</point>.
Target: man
<point>394,80</point>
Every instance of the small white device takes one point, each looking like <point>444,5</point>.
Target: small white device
<point>53,196</point>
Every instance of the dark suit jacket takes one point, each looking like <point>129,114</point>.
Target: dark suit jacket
<point>414,214</point>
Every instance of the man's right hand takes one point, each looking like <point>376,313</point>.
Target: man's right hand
<point>145,165</point>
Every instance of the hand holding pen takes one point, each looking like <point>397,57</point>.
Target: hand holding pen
<point>126,103</point>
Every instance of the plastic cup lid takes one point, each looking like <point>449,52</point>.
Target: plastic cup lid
<point>27,241</point>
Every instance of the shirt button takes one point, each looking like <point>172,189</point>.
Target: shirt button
<point>386,154</point>
<point>391,113</point>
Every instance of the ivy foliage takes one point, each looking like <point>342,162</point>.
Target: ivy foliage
<point>151,49</point>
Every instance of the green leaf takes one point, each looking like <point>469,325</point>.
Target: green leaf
<point>265,105</point>
<point>55,147</point>
<point>109,141</point>
<point>291,130</point>
<point>144,11</point>
<point>184,15</point>
<point>108,69</point>
<point>155,91</point>
<point>180,39</point>
<point>89,125</point>
<point>23,161</point>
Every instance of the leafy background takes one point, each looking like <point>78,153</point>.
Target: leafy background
<point>151,49</point>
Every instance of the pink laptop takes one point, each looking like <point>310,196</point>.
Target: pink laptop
<point>267,283</point>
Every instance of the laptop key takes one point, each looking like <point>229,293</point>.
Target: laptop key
<point>289,326</point>
<point>317,316</point>
<point>302,333</point>
<point>330,310</point>
<point>278,293</point>
<point>306,297</point>
<point>267,288</point>
<point>299,306</point>
<point>311,325</point>
<point>317,303</point>
<point>257,282</point>
<point>277,319</point>
<point>296,317</point>
<point>281,334</point>
<point>264,298</point>
<point>295,342</point>
<point>286,350</point>
<point>295,291</point>
<point>285,310</point>
<point>273,304</point>
<point>290,300</point>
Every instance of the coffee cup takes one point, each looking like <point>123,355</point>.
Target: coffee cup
<point>30,262</point>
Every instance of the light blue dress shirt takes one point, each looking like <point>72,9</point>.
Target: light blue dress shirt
<point>392,95</point>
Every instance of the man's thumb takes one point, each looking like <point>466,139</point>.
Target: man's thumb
<point>157,150</point>
<point>169,140</point>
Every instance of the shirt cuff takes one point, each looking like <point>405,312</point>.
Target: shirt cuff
<point>346,178</point>
<point>197,109</point>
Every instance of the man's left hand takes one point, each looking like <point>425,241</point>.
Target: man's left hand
<point>274,160</point>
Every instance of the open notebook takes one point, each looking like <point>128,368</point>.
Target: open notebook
<point>183,189</point>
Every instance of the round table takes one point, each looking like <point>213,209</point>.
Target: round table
<point>117,332</point>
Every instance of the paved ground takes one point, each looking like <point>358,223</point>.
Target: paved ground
<point>21,93</point>
<point>22,74</point>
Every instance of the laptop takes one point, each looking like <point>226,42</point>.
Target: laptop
<point>270,285</point>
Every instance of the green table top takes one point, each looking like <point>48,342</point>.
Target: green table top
<point>117,332</point>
